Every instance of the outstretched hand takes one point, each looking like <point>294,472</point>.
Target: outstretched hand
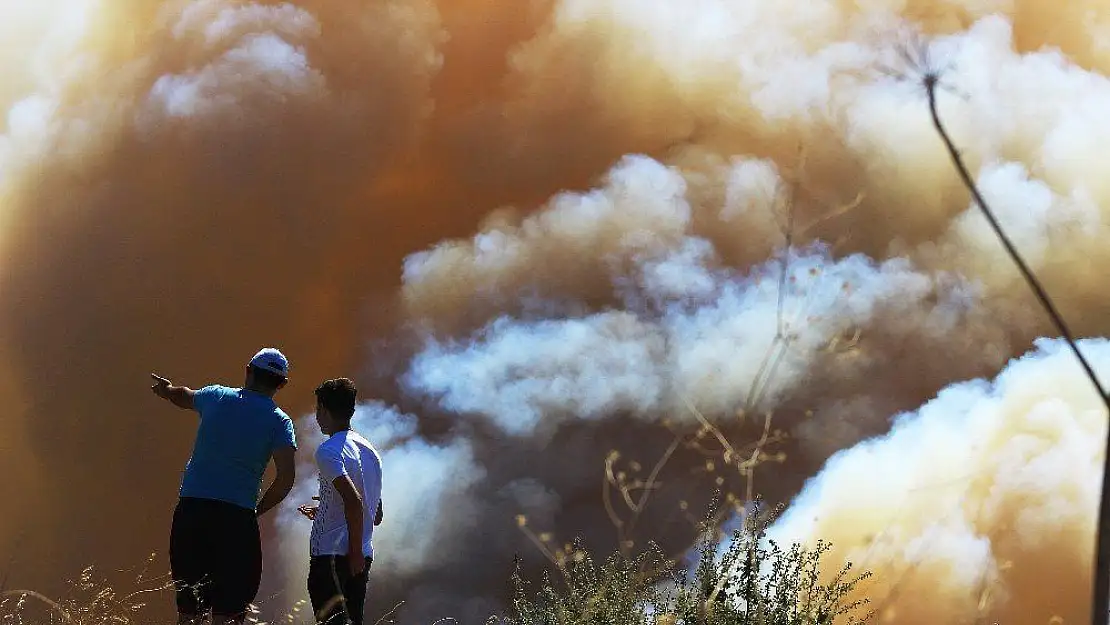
<point>309,511</point>
<point>180,396</point>
<point>161,386</point>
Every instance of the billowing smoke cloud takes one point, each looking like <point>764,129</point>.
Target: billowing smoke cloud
<point>181,182</point>
<point>976,499</point>
<point>685,326</point>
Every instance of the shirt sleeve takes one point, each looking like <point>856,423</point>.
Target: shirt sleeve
<point>204,398</point>
<point>330,463</point>
<point>287,436</point>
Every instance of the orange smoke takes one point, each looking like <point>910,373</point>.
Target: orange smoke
<point>182,182</point>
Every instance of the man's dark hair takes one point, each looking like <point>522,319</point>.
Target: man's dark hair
<point>266,379</point>
<point>338,397</point>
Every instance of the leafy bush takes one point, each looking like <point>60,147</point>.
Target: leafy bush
<point>741,579</point>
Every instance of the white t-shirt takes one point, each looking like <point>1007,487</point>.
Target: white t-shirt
<point>345,453</point>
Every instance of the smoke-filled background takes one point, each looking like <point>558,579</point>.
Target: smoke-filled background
<point>538,232</point>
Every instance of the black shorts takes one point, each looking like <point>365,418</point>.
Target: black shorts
<point>337,597</point>
<point>215,557</point>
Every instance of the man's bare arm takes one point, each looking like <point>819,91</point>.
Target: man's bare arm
<point>352,510</point>
<point>286,465</point>
<point>180,396</point>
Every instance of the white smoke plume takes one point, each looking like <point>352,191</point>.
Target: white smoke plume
<point>973,498</point>
<point>686,326</point>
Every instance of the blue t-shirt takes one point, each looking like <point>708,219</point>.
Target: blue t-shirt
<point>238,432</point>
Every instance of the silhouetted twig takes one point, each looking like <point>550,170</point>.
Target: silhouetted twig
<point>1100,607</point>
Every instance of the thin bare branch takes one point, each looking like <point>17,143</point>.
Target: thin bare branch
<point>755,455</point>
<point>930,80</point>
<point>641,503</point>
<point>523,525</point>
<point>387,614</point>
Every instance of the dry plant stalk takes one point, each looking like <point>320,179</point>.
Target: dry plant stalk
<point>94,601</point>
<point>101,604</point>
<point>919,64</point>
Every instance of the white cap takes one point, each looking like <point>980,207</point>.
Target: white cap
<point>270,359</point>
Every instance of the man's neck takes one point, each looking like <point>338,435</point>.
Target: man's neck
<point>264,392</point>
<point>339,429</point>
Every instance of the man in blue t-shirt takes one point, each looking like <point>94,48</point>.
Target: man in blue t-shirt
<point>215,546</point>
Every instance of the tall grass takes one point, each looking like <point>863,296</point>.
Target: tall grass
<point>90,600</point>
<point>741,578</point>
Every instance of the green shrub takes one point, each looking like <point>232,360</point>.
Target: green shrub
<point>740,579</point>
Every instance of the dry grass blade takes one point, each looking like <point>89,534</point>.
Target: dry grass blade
<point>53,605</point>
<point>389,613</point>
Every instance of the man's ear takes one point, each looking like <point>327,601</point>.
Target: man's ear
<point>283,383</point>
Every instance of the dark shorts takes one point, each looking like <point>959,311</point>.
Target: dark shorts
<point>337,597</point>
<point>215,557</point>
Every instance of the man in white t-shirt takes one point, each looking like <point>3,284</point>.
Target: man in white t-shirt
<point>350,488</point>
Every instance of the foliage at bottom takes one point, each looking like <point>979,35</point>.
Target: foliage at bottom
<point>738,579</point>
